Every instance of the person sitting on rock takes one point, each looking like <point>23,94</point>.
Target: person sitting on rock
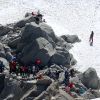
<point>1,66</point>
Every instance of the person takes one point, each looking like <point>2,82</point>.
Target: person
<point>1,66</point>
<point>12,65</point>
<point>33,14</point>
<point>66,77</point>
<point>91,38</point>
<point>72,72</point>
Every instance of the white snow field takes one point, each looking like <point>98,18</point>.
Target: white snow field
<point>66,17</point>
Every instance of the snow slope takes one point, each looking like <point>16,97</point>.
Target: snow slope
<point>66,17</point>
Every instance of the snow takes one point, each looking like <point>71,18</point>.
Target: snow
<point>96,99</point>
<point>66,17</point>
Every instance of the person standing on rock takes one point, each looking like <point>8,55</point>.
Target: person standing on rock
<point>1,66</point>
<point>91,38</point>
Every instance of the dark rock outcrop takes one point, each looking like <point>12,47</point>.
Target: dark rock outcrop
<point>90,79</point>
<point>4,30</point>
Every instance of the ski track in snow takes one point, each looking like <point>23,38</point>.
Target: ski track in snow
<point>66,17</point>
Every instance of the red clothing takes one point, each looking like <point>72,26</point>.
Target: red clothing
<point>12,65</point>
<point>38,61</point>
<point>71,85</point>
<point>33,13</point>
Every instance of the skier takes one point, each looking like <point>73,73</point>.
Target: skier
<point>91,38</point>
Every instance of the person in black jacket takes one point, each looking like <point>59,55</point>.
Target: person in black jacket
<point>91,38</point>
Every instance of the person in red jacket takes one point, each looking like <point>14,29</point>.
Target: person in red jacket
<point>12,66</point>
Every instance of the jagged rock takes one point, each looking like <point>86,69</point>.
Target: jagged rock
<point>90,79</point>
<point>60,58</point>
<point>33,31</point>
<point>63,44</point>
<point>71,38</point>
<point>39,49</point>
<point>13,43</point>
<point>52,90</point>
<point>4,30</point>
<point>14,90</point>
<point>37,42</point>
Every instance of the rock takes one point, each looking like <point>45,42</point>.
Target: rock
<point>14,90</point>
<point>71,38</point>
<point>33,31</point>
<point>4,30</point>
<point>22,22</point>
<point>44,81</point>
<point>88,95</point>
<point>13,43</point>
<point>60,58</point>
<point>36,43</point>
<point>96,93</point>
<point>90,79</point>
<point>28,14</point>
<point>63,44</point>
<point>39,49</point>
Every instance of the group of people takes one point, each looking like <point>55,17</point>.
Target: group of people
<point>38,16</point>
<point>23,70</point>
<point>73,84</point>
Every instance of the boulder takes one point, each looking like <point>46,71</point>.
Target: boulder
<point>4,30</point>
<point>71,38</point>
<point>33,31</point>
<point>13,43</point>
<point>60,58</point>
<point>63,44</point>
<point>14,90</point>
<point>37,42</point>
<point>90,79</point>
<point>38,49</point>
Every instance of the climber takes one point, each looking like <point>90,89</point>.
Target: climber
<point>12,65</point>
<point>66,78</point>
<point>1,66</point>
<point>33,14</point>
<point>72,72</point>
<point>91,38</point>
